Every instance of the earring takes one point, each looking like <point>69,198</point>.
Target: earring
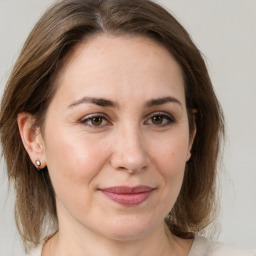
<point>38,164</point>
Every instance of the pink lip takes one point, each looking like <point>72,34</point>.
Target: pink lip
<point>128,195</point>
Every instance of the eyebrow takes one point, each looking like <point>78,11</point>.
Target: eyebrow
<point>109,103</point>
<point>161,101</point>
<point>97,101</point>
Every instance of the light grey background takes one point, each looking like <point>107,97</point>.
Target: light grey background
<point>225,31</point>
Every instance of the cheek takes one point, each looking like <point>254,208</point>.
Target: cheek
<point>172,169</point>
<point>74,163</point>
<point>170,160</point>
<point>171,153</point>
<point>73,160</point>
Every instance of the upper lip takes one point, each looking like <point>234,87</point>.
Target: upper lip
<point>128,190</point>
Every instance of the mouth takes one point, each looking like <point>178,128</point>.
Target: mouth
<point>129,196</point>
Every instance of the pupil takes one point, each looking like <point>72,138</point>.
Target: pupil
<point>157,119</point>
<point>97,120</point>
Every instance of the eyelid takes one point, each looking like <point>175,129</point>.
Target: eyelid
<point>160,113</point>
<point>93,115</point>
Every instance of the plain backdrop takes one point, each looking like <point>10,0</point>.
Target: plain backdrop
<point>225,32</point>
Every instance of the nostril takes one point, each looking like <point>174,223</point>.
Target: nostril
<point>128,164</point>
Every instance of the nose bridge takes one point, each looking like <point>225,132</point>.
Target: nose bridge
<point>129,153</point>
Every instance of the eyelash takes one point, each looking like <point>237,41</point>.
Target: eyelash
<point>168,120</point>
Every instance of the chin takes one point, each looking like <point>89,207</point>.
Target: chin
<point>128,228</point>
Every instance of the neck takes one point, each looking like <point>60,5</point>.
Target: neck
<point>159,242</point>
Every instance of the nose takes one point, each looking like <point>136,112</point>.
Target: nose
<point>129,153</point>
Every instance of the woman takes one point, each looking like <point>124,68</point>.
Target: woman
<point>111,132</point>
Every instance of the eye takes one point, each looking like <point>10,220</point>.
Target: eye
<point>159,119</point>
<point>96,120</point>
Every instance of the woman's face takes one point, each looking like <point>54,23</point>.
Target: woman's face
<point>116,137</point>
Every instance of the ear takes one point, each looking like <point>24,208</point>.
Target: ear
<point>32,139</point>
<point>192,134</point>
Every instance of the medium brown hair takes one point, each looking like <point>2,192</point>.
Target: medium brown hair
<point>30,88</point>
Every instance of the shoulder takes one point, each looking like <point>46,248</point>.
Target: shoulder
<point>204,247</point>
<point>37,251</point>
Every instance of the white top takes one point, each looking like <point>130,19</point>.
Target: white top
<point>200,247</point>
<point>204,247</point>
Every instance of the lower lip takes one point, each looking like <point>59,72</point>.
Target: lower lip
<point>132,199</point>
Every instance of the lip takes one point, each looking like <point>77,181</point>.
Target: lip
<point>130,196</point>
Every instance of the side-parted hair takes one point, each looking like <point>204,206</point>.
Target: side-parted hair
<point>31,87</point>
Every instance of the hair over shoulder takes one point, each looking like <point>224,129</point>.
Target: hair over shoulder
<point>31,87</point>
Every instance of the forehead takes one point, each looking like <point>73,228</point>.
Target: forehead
<point>135,66</point>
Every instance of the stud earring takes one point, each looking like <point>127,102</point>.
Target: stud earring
<point>38,164</point>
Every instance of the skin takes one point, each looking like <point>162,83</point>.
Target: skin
<point>125,146</point>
